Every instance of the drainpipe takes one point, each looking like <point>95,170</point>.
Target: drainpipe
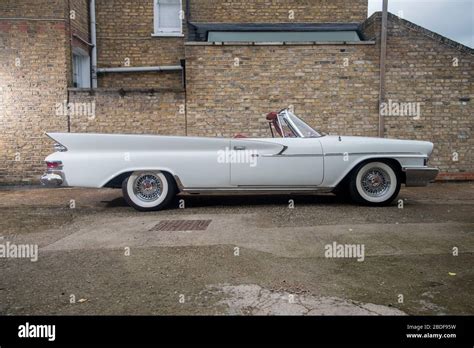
<point>183,64</point>
<point>188,13</point>
<point>94,43</point>
<point>383,55</point>
<point>71,61</point>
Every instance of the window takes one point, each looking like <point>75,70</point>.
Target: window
<point>168,17</point>
<point>81,69</point>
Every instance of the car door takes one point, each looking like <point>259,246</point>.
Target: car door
<point>286,162</point>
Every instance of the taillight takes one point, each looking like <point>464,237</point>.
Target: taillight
<point>54,164</point>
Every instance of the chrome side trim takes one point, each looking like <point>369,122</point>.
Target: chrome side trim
<point>395,154</point>
<point>259,189</point>
<point>375,153</point>
<point>59,148</point>
<point>419,176</point>
<point>295,155</point>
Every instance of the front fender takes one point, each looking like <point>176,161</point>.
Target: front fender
<point>338,166</point>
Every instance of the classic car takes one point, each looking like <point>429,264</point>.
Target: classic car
<point>152,169</point>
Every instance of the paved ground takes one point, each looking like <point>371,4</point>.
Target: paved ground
<point>257,256</point>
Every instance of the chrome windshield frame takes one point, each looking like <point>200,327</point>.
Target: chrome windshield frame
<point>292,125</point>
<point>288,116</point>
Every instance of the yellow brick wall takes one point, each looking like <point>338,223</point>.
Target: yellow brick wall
<point>124,36</point>
<point>278,11</point>
<point>33,78</point>
<point>132,112</point>
<point>224,98</point>
<point>33,9</point>
<point>79,19</point>
<point>229,88</point>
<point>124,29</point>
<point>437,75</point>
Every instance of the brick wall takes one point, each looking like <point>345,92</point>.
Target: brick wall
<point>79,19</point>
<point>425,68</point>
<point>138,112</point>
<point>124,31</point>
<point>161,80</point>
<point>31,91</point>
<point>45,9</point>
<point>230,88</point>
<point>333,87</point>
<point>278,11</point>
<point>33,78</point>
<point>225,99</point>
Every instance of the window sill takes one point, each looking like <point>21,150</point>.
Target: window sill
<point>167,35</point>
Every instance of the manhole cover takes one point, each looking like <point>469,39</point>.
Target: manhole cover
<point>182,225</point>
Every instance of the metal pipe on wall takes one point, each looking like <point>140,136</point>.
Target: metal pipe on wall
<point>94,43</point>
<point>140,69</point>
<point>71,61</point>
<point>383,55</point>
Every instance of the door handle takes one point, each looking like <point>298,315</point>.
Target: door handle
<point>239,148</point>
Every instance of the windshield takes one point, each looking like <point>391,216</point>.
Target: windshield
<point>298,127</point>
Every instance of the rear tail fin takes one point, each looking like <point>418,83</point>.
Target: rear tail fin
<point>58,146</point>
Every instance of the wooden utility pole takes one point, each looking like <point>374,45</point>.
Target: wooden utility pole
<point>383,55</point>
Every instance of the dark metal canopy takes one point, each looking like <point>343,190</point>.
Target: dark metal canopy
<point>199,31</point>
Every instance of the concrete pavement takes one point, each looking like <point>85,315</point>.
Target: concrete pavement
<point>257,256</point>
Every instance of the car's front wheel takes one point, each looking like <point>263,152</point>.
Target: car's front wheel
<point>148,190</point>
<point>375,183</point>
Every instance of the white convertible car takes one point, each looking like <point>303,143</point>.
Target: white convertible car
<point>152,169</point>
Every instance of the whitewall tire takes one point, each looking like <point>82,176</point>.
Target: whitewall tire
<point>375,183</point>
<point>148,190</point>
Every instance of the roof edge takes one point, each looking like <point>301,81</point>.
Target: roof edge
<point>303,26</point>
<point>410,25</point>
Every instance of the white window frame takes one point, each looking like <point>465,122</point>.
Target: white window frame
<point>157,31</point>
<point>83,73</point>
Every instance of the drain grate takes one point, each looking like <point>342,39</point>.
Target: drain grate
<point>182,225</point>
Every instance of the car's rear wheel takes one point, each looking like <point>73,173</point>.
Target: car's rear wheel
<point>375,183</point>
<point>148,190</point>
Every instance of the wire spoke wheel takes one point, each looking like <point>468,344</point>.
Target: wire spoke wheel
<point>148,190</point>
<point>147,187</point>
<point>375,182</point>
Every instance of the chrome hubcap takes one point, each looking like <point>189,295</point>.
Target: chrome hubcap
<point>147,187</point>
<point>375,182</point>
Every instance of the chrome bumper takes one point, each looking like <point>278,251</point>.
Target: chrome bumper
<point>52,179</point>
<point>420,176</point>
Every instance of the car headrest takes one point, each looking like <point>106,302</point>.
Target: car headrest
<point>272,116</point>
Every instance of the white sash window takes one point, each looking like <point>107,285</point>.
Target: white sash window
<point>81,69</point>
<point>168,17</point>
